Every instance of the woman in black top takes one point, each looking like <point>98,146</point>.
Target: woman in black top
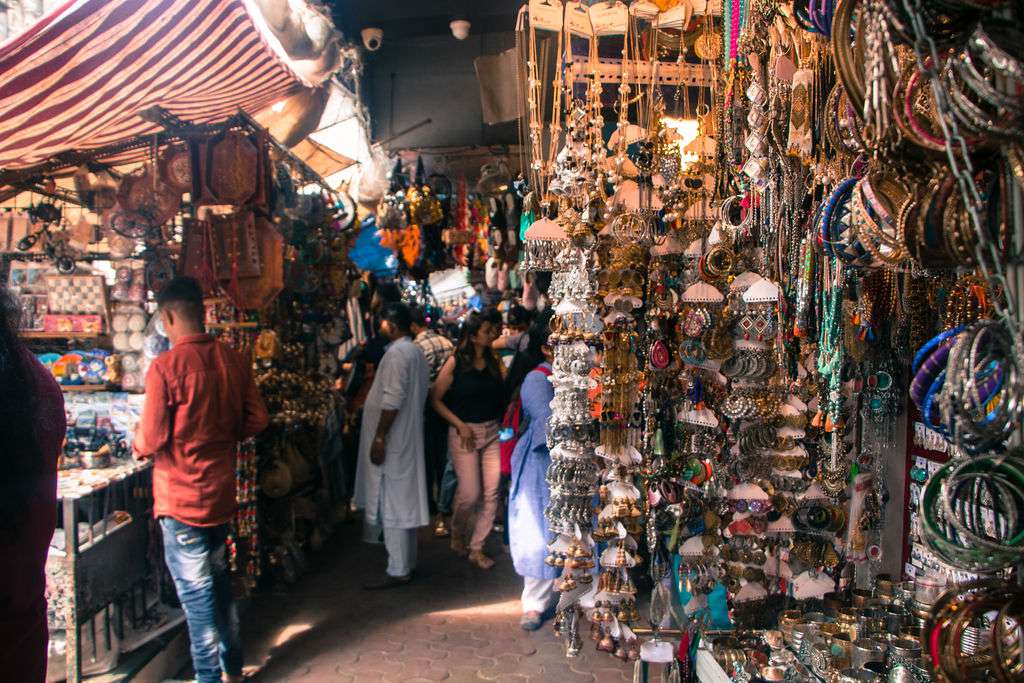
<point>469,393</point>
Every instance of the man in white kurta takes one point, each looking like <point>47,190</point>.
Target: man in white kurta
<point>391,482</point>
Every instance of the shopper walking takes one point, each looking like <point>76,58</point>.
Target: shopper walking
<point>436,349</point>
<point>201,400</point>
<point>529,492</point>
<point>391,485</point>
<point>469,394</point>
<point>31,430</point>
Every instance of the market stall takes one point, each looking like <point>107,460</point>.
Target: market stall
<point>268,240</point>
<point>758,216</point>
<point>155,170</point>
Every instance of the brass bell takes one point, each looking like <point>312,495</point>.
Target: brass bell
<point>606,644</point>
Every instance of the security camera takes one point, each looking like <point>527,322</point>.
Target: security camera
<point>372,38</point>
<point>460,28</point>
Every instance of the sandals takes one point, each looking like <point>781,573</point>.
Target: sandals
<point>441,528</point>
<point>458,547</point>
<point>478,558</point>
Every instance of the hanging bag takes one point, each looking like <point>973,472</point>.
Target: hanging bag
<point>513,426</point>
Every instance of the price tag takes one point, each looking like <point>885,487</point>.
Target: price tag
<point>609,19</point>
<point>577,19</point>
<point>546,15</point>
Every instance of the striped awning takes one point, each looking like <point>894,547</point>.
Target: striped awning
<point>78,79</point>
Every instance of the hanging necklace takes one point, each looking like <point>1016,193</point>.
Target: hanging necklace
<point>543,157</point>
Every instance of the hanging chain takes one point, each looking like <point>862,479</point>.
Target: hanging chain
<point>985,250</point>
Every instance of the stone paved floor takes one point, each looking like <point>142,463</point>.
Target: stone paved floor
<point>453,622</point>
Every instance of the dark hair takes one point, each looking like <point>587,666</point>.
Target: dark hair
<point>184,296</point>
<point>23,458</point>
<point>388,293</point>
<point>492,315</point>
<point>519,315</point>
<point>418,316</point>
<point>465,354</point>
<point>533,355</point>
<point>398,314</point>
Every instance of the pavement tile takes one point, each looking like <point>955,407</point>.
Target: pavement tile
<point>607,675</point>
<point>452,624</point>
<point>563,674</point>
<point>464,673</point>
<point>521,647</point>
<point>512,664</point>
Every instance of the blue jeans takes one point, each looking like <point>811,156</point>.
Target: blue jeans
<point>197,560</point>
<point>449,482</point>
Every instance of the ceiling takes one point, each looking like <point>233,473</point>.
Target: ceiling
<point>415,18</point>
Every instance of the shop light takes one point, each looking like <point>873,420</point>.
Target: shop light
<point>686,130</point>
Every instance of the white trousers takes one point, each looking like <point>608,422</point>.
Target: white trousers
<point>400,544</point>
<point>401,547</point>
<point>538,594</point>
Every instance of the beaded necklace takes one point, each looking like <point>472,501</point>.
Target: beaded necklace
<point>830,342</point>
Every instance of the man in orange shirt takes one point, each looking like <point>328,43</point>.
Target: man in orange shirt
<point>201,400</point>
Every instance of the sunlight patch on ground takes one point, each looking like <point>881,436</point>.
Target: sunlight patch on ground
<point>290,631</point>
<point>493,609</point>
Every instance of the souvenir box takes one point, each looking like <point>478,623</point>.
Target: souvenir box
<point>85,324</point>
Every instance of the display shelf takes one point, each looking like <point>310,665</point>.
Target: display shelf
<point>85,388</point>
<point>231,326</point>
<point>39,334</point>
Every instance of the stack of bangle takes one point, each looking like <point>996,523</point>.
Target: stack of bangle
<point>955,504</point>
<point>816,517</point>
<point>832,227</point>
<point>876,201</point>
<point>929,369</point>
<point>977,101</point>
<point>980,399</point>
<point>967,606</point>
<point>759,437</point>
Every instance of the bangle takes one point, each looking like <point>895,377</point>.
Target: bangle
<point>992,54</point>
<point>843,53</point>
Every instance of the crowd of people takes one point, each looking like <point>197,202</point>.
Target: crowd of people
<point>457,430</point>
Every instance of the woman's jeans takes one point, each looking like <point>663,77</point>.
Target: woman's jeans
<point>197,560</point>
<point>478,470</point>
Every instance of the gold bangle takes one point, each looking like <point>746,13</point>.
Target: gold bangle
<point>843,54</point>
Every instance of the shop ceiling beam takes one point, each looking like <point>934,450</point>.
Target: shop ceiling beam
<point>391,138</point>
<point>667,73</point>
<point>175,129</point>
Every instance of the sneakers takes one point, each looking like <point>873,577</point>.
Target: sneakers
<point>441,529</point>
<point>531,621</point>
<point>387,582</point>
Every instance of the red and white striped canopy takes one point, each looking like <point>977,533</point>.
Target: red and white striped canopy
<point>78,79</point>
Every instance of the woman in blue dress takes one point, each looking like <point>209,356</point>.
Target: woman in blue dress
<point>529,492</point>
